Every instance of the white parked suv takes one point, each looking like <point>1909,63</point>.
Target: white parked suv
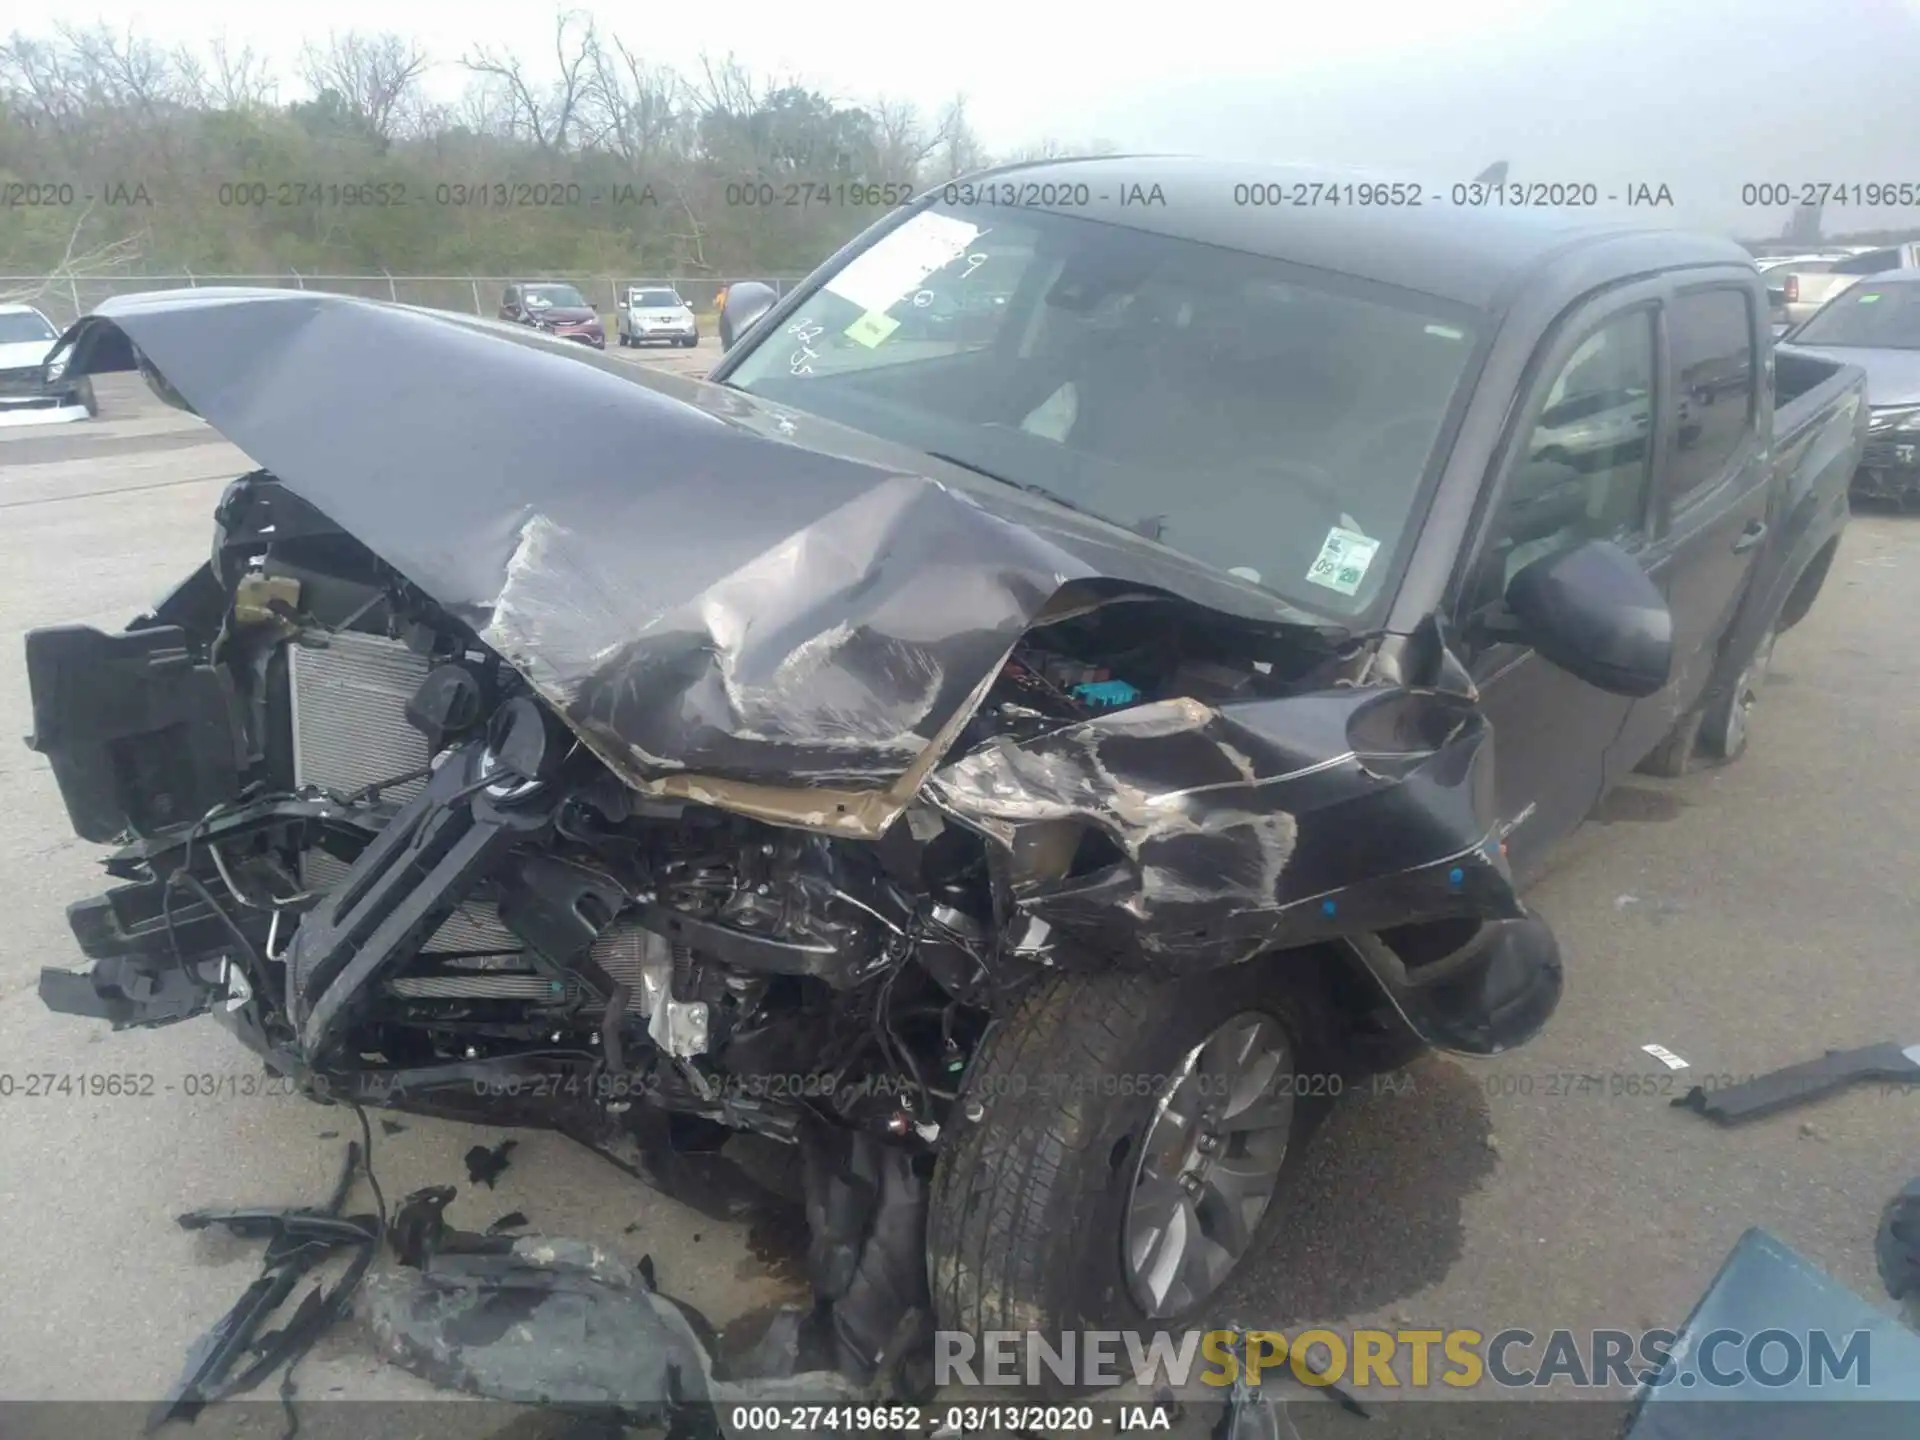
<point>31,392</point>
<point>653,313</point>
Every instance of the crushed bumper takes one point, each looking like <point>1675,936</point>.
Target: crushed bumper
<point>52,412</point>
<point>27,398</point>
<point>1889,471</point>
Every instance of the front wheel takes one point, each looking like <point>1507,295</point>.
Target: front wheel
<point>1725,727</point>
<point>1119,1141</point>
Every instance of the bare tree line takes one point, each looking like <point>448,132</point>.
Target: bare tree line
<point>132,150</point>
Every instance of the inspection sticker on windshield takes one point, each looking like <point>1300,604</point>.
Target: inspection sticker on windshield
<point>895,264</point>
<point>1343,560</point>
<point>871,328</point>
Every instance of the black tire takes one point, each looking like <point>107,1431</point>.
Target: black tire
<point>1030,1199</point>
<point>1724,728</point>
<point>88,398</point>
<point>1673,756</point>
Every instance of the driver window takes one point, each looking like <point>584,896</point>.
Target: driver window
<point>1585,471</point>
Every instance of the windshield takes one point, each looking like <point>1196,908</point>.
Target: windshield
<point>541,297</point>
<point>1879,317</point>
<point>655,300</point>
<point>21,327</point>
<point>1273,421</point>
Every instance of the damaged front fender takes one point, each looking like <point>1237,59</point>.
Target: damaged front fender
<point>1185,836</point>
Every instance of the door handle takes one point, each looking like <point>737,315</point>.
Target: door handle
<point>1755,532</point>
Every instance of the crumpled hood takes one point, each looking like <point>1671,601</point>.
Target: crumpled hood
<point>699,581</point>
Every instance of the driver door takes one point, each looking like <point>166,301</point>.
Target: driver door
<point>1576,465</point>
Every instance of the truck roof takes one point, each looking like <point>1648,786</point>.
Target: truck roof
<point>1466,253</point>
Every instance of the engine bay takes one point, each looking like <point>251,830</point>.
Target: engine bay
<point>371,839</point>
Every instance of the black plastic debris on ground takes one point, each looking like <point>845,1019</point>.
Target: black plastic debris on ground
<point>512,1220</point>
<point>1797,1084</point>
<point>236,1355</point>
<point>551,1321</point>
<point>485,1166</point>
<point>1896,1248</point>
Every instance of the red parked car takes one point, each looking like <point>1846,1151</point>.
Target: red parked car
<point>556,308</point>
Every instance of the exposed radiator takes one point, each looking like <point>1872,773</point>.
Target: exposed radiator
<point>348,703</point>
<point>619,952</point>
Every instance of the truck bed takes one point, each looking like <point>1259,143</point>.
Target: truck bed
<point>1819,431</point>
<point>1796,376</point>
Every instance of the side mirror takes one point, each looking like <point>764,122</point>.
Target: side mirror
<point>1594,612</point>
<point>746,302</point>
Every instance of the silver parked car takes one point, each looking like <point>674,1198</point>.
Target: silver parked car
<point>1875,324</point>
<point>657,313</point>
<point>1806,288</point>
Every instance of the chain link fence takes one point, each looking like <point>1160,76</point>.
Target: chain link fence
<point>66,298</point>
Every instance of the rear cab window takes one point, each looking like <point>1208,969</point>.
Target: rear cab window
<point>1716,395</point>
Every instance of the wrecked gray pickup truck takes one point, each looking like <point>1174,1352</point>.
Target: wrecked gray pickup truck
<point>1018,769</point>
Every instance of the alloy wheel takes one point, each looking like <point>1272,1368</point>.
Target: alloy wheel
<point>1209,1164</point>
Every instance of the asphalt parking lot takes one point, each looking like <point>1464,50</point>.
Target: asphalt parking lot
<point>1745,918</point>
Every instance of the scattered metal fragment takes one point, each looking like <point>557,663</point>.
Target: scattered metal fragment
<point>1665,1056</point>
<point>1250,1412</point>
<point>485,1166</point>
<point>1809,1080</point>
<point>419,1230</point>
<point>234,1356</point>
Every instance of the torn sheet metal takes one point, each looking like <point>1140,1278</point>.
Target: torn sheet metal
<point>546,1320</point>
<point>1255,823</point>
<point>694,586</point>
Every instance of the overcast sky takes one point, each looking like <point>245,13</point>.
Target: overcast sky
<point>1700,95</point>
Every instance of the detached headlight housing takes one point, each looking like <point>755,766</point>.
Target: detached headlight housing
<point>1905,420</point>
